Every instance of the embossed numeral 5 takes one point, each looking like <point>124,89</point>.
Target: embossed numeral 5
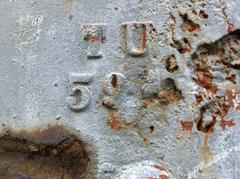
<point>80,95</point>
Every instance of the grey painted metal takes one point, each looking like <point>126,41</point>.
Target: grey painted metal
<point>57,64</point>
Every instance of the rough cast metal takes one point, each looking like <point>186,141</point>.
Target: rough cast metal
<point>149,87</point>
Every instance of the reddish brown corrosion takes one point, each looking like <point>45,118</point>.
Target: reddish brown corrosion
<point>171,64</point>
<point>144,38</point>
<point>222,6</point>
<point>189,25</point>
<point>161,176</point>
<point>232,78</point>
<point>187,126</point>
<point>95,39</point>
<point>115,122</point>
<point>221,51</point>
<point>230,99</point>
<point>203,15</point>
<point>51,153</point>
<point>225,124</point>
<point>114,81</point>
<point>202,126</point>
<point>205,79</point>
<point>183,45</point>
<point>159,167</point>
<point>169,93</point>
<point>199,98</point>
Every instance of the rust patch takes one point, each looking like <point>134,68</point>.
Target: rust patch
<point>164,173</point>
<point>159,167</point>
<point>187,126</point>
<point>222,6</point>
<point>221,54</point>
<point>169,92</point>
<point>203,15</point>
<point>231,100</point>
<point>144,38</point>
<point>114,83</point>
<point>232,78</point>
<point>225,124</point>
<point>125,39</point>
<point>204,78</point>
<point>115,122</point>
<point>93,34</point>
<point>207,155</point>
<point>189,25</point>
<point>161,158</point>
<point>50,153</point>
<point>162,176</point>
<point>183,45</point>
<point>94,39</point>
<point>207,128</point>
<point>171,64</point>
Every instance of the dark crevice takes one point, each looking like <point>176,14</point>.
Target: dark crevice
<point>46,152</point>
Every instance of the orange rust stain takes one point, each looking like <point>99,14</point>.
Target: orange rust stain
<point>229,26</point>
<point>232,78</point>
<point>115,122</point>
<point>189,25</point>
<point>171,64</point>
<point>207,155</point>
<point>230,99</point>
<point>125,38</point>
<point>96,38</point>
<point>183,46</point>
<point>162,176</point>
<point>205,79</point>
<point>187,126</point>
<point>225,124</point>
<point>203,15</point>
<point>199,98</point>
<point>48,153</point>
<point>147,103</point>
<point>161,158</point>
<point>159,167</point>
<point>208,129</point>
<point>115,83</point>
<point>144,38</point>
<point>169,93</point>
<point>222,6</point>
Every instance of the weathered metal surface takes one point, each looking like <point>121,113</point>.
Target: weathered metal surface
<point>120,89</point>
